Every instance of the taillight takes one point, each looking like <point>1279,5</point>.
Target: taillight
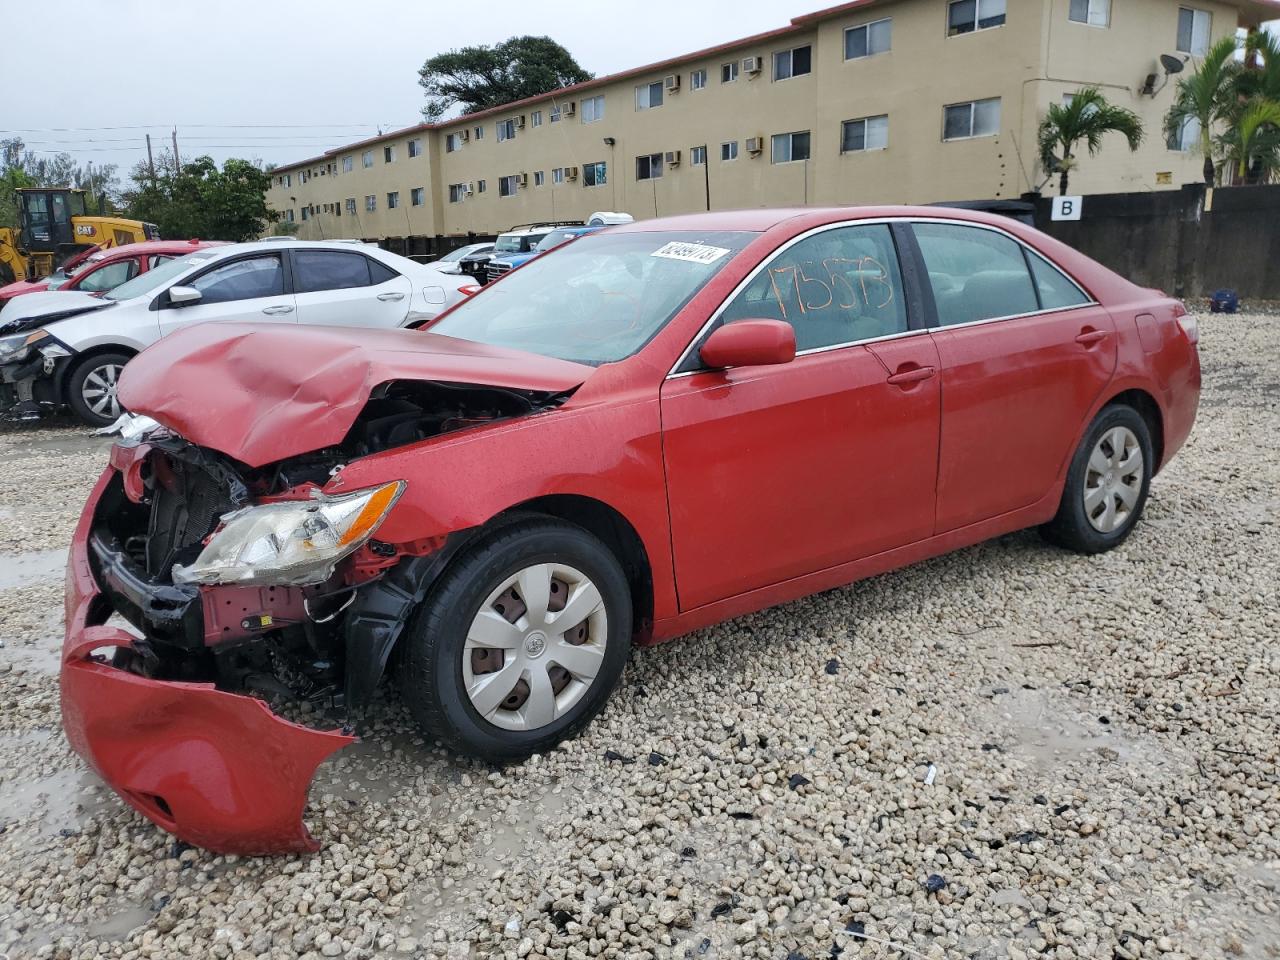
<point>1190,326</point>
<point>468,289</point>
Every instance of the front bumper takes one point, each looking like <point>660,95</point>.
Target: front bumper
<point>218,770</point>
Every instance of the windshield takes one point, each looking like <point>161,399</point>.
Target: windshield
<point>510,243</point>
<point>453,256</point>
<point>595,301</point>
<point>554,239</point>
<point>156,277</point>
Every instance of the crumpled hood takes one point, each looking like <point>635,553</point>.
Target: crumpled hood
<point>264,392</point>
<point>38,309</point>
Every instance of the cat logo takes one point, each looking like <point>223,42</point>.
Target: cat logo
<point>85,230</point>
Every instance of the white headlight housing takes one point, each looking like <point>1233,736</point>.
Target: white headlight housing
<point>293,542</point>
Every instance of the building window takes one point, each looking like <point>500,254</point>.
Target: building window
<point>1186,137</point>
<point>348,164</point>
<point>592,109</point>
<point>303,177</point>
<point>507,186</point>
<point>650,167</point>
<point>351,206</point>
<point>535,118</point>
<point>539,178</point>
<point>789,147</point>
<point>977,118</point>
<point>457,191</point>
<point>479,133</point>
<point>480,186</point>
<point>868,39</point>
<point>288,215</point>
<point>393,199</point>
<point>594,174</point>
<point>1194,30</point>
<point>868,133</point>
<point>306,213</point>
<point>555,113</point>
<point>698,80</point>
<point>366,159</point>
<point>389,154</point>
<point>337,208</point>
<point>729,72</point>
<point>1096,13</point>
<point>792,63</point>
<point>370,203</point>
<point>966,16</point>
<point>506,130</point>
<point>415,148</point>
<point>649,95</point>
<point>697,156</point>
<point>729,151</point>
<point>417,196</point>
<point>452,142</point>
<point>557,175</point>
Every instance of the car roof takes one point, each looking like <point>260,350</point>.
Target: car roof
<point>175,247</point>
<point>761,220</point>
<point>289,243</point>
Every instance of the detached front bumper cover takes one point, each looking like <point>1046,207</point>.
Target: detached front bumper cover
<point>216,769</point>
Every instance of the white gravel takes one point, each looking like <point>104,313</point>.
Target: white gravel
<point>1102,732</point>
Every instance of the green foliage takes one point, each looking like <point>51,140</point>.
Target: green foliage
<point>1252,143</point>
<point>477,78</point>
<point>285,228</point>
<point>202,201</point>
<point>1087,117</point>
<point>1205,96</point>
<point>19,167</point>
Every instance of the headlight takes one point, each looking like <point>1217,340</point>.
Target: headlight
<point>295,542</point>
<point>16,346</point>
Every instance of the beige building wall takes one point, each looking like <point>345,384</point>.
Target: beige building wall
<point>1034,59</point>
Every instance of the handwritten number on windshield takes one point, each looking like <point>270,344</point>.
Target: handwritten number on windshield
<point>869,286</point>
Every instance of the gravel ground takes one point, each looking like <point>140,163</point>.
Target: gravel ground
<point>1007,752</point>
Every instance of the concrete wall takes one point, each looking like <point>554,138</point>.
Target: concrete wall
<point>1031,61</point>
<point>1189,242</point>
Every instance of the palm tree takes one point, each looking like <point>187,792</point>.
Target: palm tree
<point>1252,143</point>
<point>1087,117</point>
<point>1206,96</point>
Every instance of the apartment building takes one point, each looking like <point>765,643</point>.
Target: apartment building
<point>872,101</point>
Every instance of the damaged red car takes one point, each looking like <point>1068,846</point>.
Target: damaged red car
<point>649,430</point>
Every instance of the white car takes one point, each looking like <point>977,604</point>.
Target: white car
<point>69,347</point>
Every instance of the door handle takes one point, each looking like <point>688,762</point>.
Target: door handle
<point>914,375</point>
<point>1089,337</point>
<point>277,309</point>
<point>390,296</point>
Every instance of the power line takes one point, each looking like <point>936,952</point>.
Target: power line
<point>201,126</point>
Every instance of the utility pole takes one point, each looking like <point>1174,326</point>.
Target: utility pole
<point>151,164</point>
<point>177,164</point>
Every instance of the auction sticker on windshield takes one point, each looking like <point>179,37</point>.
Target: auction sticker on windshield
<point>692,252</point>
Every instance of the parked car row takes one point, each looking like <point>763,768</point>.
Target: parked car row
<point>69,346</point>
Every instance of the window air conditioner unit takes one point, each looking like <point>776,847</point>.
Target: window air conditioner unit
<point>523,179</point>
<point>571,173</point>
<point>755,144</point>
<point>672,83</point>
<point>672,157</point>
<point>566,110</point>
<point>471,188</point>
<point>464,136</point>
<point>750,64</point>
<point>520,122</point>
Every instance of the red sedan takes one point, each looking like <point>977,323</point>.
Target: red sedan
<point>647,431</point>
<point>103,270</point>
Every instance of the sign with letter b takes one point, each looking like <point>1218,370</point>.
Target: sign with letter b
<point>1067,208</point>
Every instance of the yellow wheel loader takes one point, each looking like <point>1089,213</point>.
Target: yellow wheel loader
<point>53,227</point>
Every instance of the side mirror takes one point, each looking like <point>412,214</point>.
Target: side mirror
<point>750,343</point>
<point>181,296</point>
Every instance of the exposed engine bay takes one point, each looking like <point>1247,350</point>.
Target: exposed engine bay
<point>326,642</point>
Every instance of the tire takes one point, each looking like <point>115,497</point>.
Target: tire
<point>1104,496</point>
<point>445,670</point>
<point>98,375</point>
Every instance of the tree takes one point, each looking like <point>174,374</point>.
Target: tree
<point>1207,97</point>
<point>201,200</point>
<point>477,78</point>
<point>19,167</point>
<point>1087,117</point>
<point>1252,142</point>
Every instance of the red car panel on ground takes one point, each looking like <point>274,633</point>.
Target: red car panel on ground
<point>740,488</point>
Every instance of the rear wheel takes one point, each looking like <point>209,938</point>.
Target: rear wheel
<point>1107,483</point>
<point>520,643</point>
<point>92,386</point>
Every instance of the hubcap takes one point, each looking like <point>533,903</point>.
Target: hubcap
<point>535,646</point>
<point>99,390</point>
<point>1113,480</point>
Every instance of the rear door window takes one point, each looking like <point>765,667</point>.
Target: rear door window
<point>834,287</point>
<point>316,270</point>
<point>380,273</point>
<point>975,274</point>
<point>1057,291</point>
<point>246,279</point>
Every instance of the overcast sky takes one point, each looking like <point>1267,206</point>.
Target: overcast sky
<point>285,81</point>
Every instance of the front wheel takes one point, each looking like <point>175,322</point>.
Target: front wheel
<point>1107,483</point>
<point>91,389</point>
<point>520,643</point>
